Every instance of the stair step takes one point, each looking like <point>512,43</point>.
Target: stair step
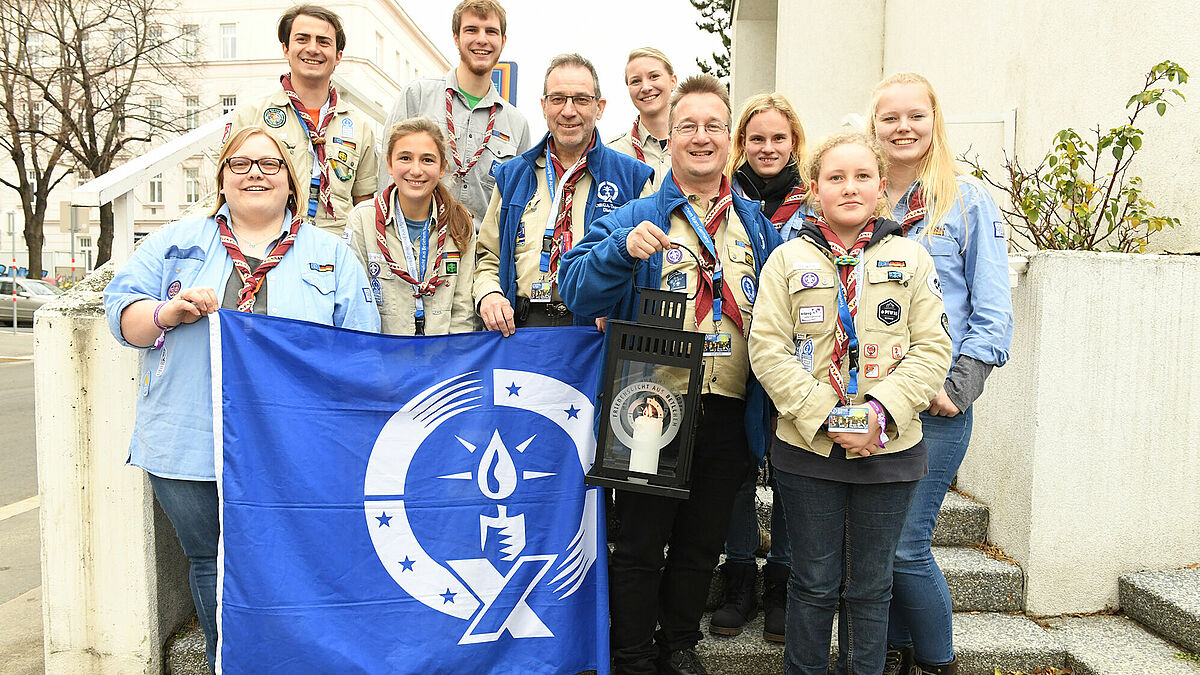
<point>185,652</point>
<point>1166,601</point>
<point>984,643</point>
<point>1116,645</point>
<point>978,583</point>
<point>961,520</point>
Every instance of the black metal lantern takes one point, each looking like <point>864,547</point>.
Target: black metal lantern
<point>650,403</point>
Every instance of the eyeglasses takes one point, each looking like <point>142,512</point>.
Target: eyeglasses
<point>269,166</point>
<point>690,128</point>
<point>580,100</point>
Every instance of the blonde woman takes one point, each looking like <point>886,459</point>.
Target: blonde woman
<point>415,240</point>
<point>953,217</point>
<point>764,165</point>
<point>251,254</point>
<point>650,79</point>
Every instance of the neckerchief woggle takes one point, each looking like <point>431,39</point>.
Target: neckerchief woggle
<point>556,195</point>
<point>724,201</point>
<point>419,265</point>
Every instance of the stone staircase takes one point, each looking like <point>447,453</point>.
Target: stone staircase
<point>990,632</point>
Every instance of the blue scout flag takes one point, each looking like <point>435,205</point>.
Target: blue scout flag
<point>407,505</point>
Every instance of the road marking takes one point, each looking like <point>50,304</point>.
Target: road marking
<point>17,508</point>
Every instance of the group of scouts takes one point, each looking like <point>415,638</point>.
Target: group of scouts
<point>808,269</point>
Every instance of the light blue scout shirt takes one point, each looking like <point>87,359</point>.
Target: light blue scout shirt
<point>971,257</point>
<point>318,280</point>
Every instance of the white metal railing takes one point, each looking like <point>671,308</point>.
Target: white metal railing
<point>117,185</point>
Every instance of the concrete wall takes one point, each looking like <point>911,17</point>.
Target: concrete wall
<point>114,580</point>
<point>754,50</point>
<point>1084,446</point>
<point>1060,64</point>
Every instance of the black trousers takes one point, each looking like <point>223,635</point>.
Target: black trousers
<point>643,592</point>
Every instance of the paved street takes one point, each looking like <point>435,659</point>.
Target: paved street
<point>20,572</point>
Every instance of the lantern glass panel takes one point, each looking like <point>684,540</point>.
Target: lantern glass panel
<point>646,418</point>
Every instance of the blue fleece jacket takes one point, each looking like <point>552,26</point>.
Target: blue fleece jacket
<point>598,277</point>
<point>616,179</point>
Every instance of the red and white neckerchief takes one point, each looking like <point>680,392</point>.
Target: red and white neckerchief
<point>916,211</point>
<point>383,214</point>
<point>790,204</point>
<point>704,290</point>
<point>487,135</point>
<point>316,133</point>
<point>637,140</point>
<point>847,263</point>
<point>563,238</point>
<point>252,279</point>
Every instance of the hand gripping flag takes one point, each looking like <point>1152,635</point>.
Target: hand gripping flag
<point>407,505</point>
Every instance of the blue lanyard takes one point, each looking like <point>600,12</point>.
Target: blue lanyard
<point>707,242</point>
<point>314,192</point>
<point>852,346</point>
<point>406,244</point>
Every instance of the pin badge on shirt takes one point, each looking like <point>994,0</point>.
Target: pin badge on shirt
<point>888,312</point>
<point>274,117</point>
<point>674,255</point>
<point>871,370</point>
<point>897,352</point>
<point>870,351</point>
<point>676,281</point>
<point>173,289</point>
<point>373,269</point>
<point>347,128</point>
<point>748,288</point>
<point>809,279</point>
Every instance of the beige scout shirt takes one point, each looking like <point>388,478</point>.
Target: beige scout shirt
<point>723,375</point>
<point>904,347</point>
<point>657,157</point>
<point>448,310</point>
<point>510,136</point>
<point>529,237</point>
<point>349,139</point>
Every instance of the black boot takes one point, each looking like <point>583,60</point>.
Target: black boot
<point>775,578</point>
<point>899,660</point>
<point>739,605</point>
<point>681,662</point>
<point>935,669</point>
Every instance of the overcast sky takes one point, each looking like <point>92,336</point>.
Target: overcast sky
<point>538,30</point>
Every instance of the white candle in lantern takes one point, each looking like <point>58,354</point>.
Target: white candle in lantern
<point>647,433</point>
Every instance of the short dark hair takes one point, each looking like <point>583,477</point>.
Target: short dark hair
<point>481,8</point>
<point>701,84</point>
<point>316,12</point>
<point>573,60</point>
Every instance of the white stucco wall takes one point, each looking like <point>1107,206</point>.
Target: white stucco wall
<point>1084,444</point>
<point>114,580</point>
<point>1060,64</point>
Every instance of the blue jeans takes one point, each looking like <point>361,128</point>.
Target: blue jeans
<point>843,538</point>
<point>921,613</point>
<point>193,510</point>
<point>743,538</point>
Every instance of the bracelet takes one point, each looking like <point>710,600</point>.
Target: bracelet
<point>881,416</point>
<point>156,323</point>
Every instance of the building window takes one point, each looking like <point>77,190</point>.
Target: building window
<point>154,35</point>
<point>191,185</point>
<point>228,103</point>
<point>119,44</point>
<point>35,50</point>
<point>156,190</point>
<point>229,40</point>
<point>191,40</point>
<point>154,114</point>
<point>191,112</point>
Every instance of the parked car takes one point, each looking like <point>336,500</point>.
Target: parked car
<point>31,294</point>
